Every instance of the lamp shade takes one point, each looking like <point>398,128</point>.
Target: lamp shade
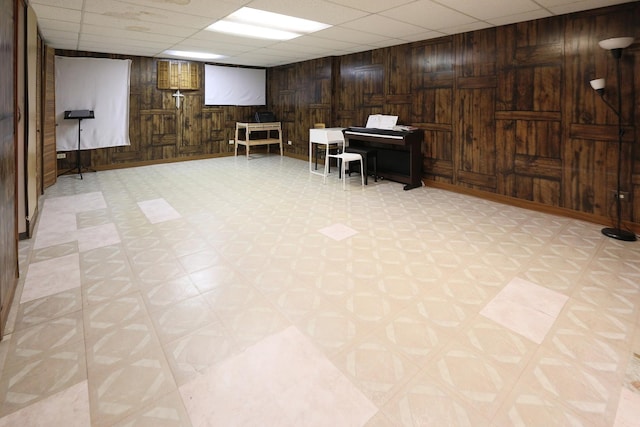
<point>616,43</point>
<point>597,84</point>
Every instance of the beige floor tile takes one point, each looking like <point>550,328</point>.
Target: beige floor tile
<point>167,411</point>
<point>527,406</point>
<point>47,308</point>
<point>69,407</point>
<point>525,308</point>
<point>123,388</point>
<point>425,402</point>
<point>118,343</point>
<point>592,395</point>
<point>211,296</point>
<point>217,276</point>
<point>52,372</point>
<point>181,318</point>
<point>278,376</point>
<point>375,367</point>
<point>49,277</point>
<point>34,343</point>
<point>100,317</point>
<point>170,292</point>
<point>191,354</point>
<point>482,382</point>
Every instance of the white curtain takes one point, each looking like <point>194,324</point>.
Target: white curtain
<point>97,84</point>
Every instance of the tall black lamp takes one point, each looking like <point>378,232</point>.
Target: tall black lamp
<point>615,45</point>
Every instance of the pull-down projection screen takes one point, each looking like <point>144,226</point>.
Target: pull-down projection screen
<point>97,84</point>
<point>234,85</point>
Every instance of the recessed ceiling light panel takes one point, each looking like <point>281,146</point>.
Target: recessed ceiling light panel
<point>192,55</point>
<point>249,22</point>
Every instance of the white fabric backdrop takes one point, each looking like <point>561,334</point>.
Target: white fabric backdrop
<point>97,84</point>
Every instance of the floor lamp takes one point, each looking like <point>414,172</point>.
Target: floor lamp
<point>615,45</point>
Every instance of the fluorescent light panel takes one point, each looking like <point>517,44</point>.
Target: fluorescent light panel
<point>193,55</point>
<point>249,22</point>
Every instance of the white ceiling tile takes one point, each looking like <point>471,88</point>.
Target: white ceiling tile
<point>372,6</point>
<point>327,44</point>
<point>429,15</point>
<point>108,32</point>
<point>228,38</point>
<point>474,26</point>
<point>57,13</point>
<point>50,25</point>
<point>427,35</point>
<point>149,27</point>
<point>315,10</point>
<point>528,16</point>
<point>488,9</point>
<point>120,41</point>
<point>354,36</point>
<point>137,26</point>
<point>215,9</point>
<point>383,25</point>
<point>61,35</point>
<point>137,13</point>
<point>67,4</point>
<point>571,7</point>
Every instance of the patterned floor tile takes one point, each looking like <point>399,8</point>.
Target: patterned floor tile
<point>120,342</point>
<point>47,308</point>
<point>481,381</point>
<point>54,371</point>
<point>375,367</point>
<point>590,394</point>
<point>167,411</point>
<point>192,354</point>
<point>69,407</point>
<point>243,259</point>
<point>425,402</point>
<point>182,317</point>
<point>100,317</point>
<point>167,293</point>
<point>120,390</point>
<point>33,343</point>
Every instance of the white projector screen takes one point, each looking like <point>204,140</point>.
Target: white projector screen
<point>97,84</point>
<point>234,85</point>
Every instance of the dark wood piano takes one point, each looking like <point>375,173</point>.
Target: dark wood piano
<point>399,152</point>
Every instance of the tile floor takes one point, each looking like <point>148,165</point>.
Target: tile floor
<point>230,292</point>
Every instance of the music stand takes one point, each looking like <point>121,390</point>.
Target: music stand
<point>79,115</point>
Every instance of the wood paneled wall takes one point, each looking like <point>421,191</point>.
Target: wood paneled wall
<point>8,188</point>
<point>158,131</point>
<point>507,111</point>
<point>48,118</point>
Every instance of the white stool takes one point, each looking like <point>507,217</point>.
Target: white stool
<point>343,159</point>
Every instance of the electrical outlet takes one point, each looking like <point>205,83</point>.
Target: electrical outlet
<point>61,155</point>
<point>624,195</point>
<point>231,141</point>
<point>289,142</point>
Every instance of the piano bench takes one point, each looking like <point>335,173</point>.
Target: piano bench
<point>366,153</point>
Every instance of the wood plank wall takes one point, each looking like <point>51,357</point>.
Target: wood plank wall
<point>158,131</point>
<point>8,188</point>
<point>507,111</point>
<point>49,119</point>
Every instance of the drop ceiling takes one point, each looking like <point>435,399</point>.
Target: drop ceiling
<point>150,27</point>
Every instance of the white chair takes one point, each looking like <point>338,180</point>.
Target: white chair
<point>343,160</point>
